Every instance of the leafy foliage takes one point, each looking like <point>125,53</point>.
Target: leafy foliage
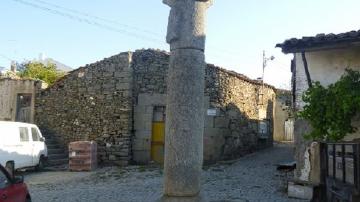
<point>330,109</point>
<point>37,70</point>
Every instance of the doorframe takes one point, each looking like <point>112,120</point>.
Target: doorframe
<point>143,117</point>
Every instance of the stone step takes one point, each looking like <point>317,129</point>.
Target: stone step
<point>56,150</point>
<point>57,156</point>
<point>54,146</point>
<point>51,141</point>
<point>54,162</point>
<point>60,167</point>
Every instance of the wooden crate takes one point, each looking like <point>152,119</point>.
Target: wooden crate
<point>82,156</point>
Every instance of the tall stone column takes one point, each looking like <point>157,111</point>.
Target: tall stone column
<point>185,98</point>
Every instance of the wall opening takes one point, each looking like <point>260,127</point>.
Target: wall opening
<point>23,107</point>
<point>158,135</point>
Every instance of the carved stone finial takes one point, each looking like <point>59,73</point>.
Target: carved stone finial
<point>186,27</point>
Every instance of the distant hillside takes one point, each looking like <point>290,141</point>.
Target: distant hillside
<point>60,66</point>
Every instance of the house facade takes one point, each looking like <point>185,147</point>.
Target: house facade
<point>17,99</point>
<point>120,103</point>
<point>283,119</point>
<point>322,58</point>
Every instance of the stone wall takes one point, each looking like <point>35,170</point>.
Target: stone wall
<point>112,102</point>
<point>240,104</point>
<point>92,103</point>
<point>9,91</point>
<point>237,100</point>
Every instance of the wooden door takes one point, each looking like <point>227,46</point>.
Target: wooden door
<point>158,135</point>
<point>23,108</point>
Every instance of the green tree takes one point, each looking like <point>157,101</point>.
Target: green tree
<point>37,70</point>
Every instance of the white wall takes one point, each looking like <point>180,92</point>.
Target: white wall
<point>324,66</point>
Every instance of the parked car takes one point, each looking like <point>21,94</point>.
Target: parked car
<point>22,143</point>
<point>12,189</point>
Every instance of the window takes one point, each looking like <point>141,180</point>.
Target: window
<point>24,134</point>
<point>35,135</point>
<point>3,180</point>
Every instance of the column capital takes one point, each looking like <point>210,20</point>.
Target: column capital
<point>186,26</point>
<point>173,2</point>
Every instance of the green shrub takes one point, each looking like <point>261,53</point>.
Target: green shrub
<point>37,70</point>
<point>330,110</point>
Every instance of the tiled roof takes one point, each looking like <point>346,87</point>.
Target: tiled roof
<point>320,40</point>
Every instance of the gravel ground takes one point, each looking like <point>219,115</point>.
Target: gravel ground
<point>251,178</point>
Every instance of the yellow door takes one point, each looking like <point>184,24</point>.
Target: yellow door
<point>157,142</point>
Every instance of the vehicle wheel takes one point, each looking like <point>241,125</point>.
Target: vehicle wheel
<point>41,164</point>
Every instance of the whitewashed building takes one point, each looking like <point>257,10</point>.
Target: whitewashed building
<point>322,58</point>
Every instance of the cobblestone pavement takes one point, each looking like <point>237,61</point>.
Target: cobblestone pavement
<point>251,178</point>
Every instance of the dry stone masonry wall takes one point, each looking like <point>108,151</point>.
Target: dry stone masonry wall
<point>92,103</point>
<point>240,104</point>
<point>97,102</point>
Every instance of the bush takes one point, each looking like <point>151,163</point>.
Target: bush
<point>330,110</point>
<point>37,70</point>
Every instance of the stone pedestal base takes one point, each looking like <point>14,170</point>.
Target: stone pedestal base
<point>197,198</point>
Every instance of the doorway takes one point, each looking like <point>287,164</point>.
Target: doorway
<point>158,134</point>
<point>23,107</point>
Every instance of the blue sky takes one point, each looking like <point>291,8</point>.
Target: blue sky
<point>237,30</point>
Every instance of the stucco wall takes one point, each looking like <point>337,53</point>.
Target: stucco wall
<point>324,66</point>
<point>9,89</point>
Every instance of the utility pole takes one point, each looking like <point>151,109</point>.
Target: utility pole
<point>265,60</point>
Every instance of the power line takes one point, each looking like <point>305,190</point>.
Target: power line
<point>86,20</point>
<point>90,22</point>
<point>98,18</point>
<point>6,57</point>
<point>101,25</point>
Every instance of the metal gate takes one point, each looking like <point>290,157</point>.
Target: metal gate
<point>341,171</point>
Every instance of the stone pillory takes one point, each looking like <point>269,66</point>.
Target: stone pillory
<point>185,98</point>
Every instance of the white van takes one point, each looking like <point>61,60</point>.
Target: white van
<point>23,144</point>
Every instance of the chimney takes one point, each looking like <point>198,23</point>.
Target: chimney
<point>13,66</point>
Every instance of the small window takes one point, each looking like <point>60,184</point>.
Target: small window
<point>24,134</point>
<point>35,135</point>
<point>3,180</point>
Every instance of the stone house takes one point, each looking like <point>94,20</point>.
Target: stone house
<point>17,99</point>
<point>120,103</point>
<point>283,119</point>
<point>322,58</point>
